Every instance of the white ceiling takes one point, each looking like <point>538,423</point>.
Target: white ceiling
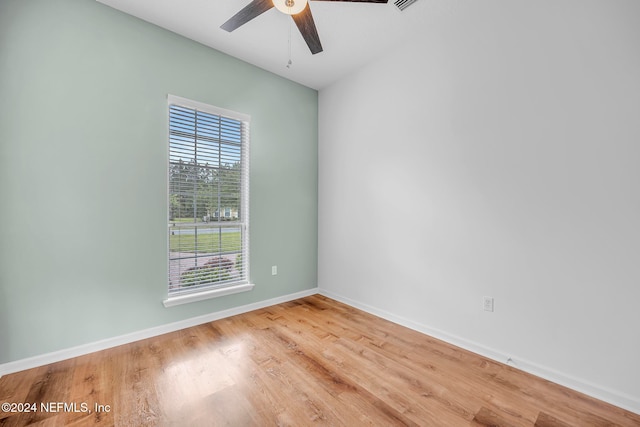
<point>352,34</point>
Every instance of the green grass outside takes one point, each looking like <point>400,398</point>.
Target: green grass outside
<point>207,243</point>
<point>178,220</point>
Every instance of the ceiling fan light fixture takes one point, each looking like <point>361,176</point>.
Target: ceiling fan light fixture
<point>290,7</point>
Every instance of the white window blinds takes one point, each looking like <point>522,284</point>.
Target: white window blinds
<point>208,197</point>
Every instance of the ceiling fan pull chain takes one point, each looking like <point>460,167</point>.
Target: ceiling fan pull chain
<point>289,63</point>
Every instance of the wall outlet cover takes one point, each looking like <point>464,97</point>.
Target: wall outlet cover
<point>487,303</point>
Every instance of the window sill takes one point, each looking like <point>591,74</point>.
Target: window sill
<point>200,296</point>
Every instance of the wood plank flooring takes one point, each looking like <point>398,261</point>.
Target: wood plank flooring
<point>312,361</point>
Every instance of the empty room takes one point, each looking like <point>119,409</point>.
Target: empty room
<point>319,212</point>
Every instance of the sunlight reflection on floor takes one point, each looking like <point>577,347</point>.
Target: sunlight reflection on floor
<point>188,384</point>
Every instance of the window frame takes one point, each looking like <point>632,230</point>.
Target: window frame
<point>212,290</point>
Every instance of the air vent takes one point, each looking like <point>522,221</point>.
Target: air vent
<point>403,4</point>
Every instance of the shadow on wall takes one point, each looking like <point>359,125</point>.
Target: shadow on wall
<point>5,341</point>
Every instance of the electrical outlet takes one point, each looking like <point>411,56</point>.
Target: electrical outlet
<point>487,303</point>
<point>274,270</point>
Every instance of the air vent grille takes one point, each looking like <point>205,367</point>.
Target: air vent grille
<point>403,4</point>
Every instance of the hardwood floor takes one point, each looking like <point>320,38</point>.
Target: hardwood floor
<point>310,361</point>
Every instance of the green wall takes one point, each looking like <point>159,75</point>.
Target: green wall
<point>83,173</point>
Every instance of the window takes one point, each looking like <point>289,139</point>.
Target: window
<point>208,201</point>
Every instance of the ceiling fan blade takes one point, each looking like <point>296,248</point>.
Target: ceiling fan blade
<point>250,11</point>
<point>307,27</point>
<point>359,1</point>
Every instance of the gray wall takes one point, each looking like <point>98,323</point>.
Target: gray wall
<point>83,154</point>
<point>496,154</point>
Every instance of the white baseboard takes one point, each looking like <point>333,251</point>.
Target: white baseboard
<point>601,393</point>
<point>81,350</point>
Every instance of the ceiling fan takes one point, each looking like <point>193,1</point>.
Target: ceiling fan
<point>299,11</point>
